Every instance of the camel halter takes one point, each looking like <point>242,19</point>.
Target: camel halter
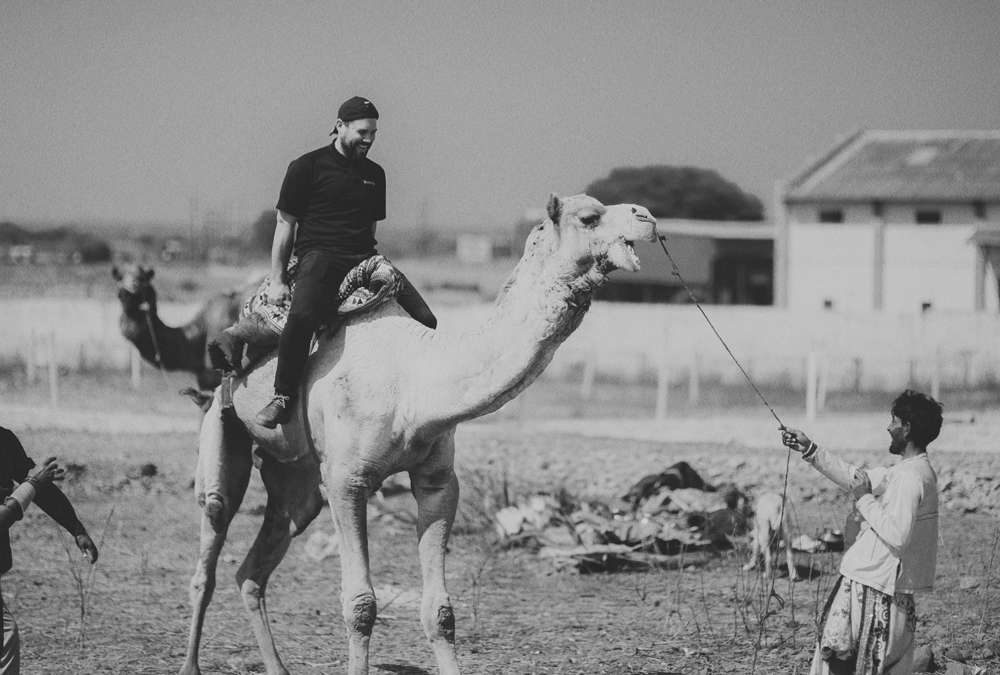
<point>145,308</point>
<point>788,458</point>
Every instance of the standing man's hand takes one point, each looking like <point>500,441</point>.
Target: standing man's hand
<point>87,546</point>
<point>794,439</point>
<point>860,485</point>
<point>278,293</point>
<point>48,472</point>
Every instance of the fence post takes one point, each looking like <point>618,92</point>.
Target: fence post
<point>823,381</point>
<point>53,372</point>
<point>30,361</point>
<point>662,378</point>
<point>694,377</point>
<point>811,385</point>
<point>587,385</point>
<point>936,375</point>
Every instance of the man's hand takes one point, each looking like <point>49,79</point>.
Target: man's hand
<point>794,439</point>
<point>278,292</point>
<point>49,471</point>
<point>860,485</point>
<point>87,547</point>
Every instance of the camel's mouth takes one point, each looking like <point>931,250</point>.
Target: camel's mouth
<point>622,255</point>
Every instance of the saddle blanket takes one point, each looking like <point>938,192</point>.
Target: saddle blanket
<point>368,285</point>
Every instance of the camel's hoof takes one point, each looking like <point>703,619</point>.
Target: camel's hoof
<point>215,511</point>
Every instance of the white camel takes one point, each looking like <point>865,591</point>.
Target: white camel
<point>381,396</point>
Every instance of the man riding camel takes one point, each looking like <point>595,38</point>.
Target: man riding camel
<point>329,203</point>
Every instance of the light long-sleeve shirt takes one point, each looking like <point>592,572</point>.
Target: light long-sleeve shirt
<point>896,548</point>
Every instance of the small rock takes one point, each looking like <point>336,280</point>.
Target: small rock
<point>965,583</point>
<point>923,660</point>
<point>955,654</point>
<point>992,647</point>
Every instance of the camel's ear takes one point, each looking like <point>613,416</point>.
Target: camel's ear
<point>116,273</point>
<point>554,207</point>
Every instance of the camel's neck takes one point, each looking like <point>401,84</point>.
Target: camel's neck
<point>536,312</point>
<point>158,343</point>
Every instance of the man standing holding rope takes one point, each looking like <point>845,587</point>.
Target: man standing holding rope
<point>868,623</point>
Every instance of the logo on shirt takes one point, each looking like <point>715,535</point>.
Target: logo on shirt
<point>369,182</point>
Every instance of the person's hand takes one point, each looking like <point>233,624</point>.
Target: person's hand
<point>48,472</point>
<point>87,547</point>
<point>794,439</point>
<point>278,293</point>
<point>860,485</point>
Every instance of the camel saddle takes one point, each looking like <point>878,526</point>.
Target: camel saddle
<point>365,287</point>
<point>370,284</point>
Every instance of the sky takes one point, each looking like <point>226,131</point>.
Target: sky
<point>115,111</point>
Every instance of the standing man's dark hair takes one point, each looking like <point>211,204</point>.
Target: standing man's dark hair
<point>34,486</point>
<point>329,203</point>
<point>922,413</point>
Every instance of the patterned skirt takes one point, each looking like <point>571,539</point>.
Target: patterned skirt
<point>864,631</point>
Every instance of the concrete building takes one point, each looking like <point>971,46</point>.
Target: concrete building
<point>896,221</point>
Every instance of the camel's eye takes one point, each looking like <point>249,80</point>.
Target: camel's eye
<point>590,219</point>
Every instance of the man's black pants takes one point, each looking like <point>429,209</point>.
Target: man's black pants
<point>317,281</point>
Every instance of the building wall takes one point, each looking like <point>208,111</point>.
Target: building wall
<point>830,262</point>
<point>933,264</point>
<point>925,264</point>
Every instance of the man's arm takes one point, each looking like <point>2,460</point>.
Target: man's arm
<point>281,250</point>
<point>12,509</point>
<point>893,523</point>
<point>52,501</point>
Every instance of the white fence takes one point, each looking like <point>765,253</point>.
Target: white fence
<point>627,342</point>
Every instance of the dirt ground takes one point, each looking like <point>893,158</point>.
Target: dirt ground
<point>516,613</point>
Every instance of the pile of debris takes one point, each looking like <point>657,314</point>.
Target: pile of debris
<point>670,518</point>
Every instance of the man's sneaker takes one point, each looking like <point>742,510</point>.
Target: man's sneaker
<point>278,411</point>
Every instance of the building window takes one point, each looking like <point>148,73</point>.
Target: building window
<point>831,215</point>
<point>928,217</point>
<point>828,304</point>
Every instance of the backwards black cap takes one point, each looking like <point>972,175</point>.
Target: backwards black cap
<point>355,108</point>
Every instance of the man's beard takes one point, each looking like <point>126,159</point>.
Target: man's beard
<point>897,446</point>
<point>357,151</point>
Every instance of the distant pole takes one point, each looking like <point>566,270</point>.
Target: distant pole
<point>694,375</point>
<point>823,381</point>
<point>30,362</point>
<point>135,361</point>
<point>936,376</point>
<point>587,385</point>
<point>53,372</point>
<point>811,377</point>
<point>662,379</point>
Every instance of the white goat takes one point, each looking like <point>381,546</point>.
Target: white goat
<point>771,525</point>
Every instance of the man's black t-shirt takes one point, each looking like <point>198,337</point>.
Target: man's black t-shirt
<point>335,200</point>
<point>14,466</point>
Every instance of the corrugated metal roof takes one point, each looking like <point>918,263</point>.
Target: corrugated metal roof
<point>904,166</point>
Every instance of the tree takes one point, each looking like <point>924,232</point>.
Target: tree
<point>678,192</point>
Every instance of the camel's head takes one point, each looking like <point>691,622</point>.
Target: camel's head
<point>135,291</point>
<point>593,237</point>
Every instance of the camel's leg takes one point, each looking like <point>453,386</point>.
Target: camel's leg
<point>436,491</point>
<point>293,501</point>
<point>348,491</point>
<point>224,467</point>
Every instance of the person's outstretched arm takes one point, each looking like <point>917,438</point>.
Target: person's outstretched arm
<point>13,508</point>
<point>52,501</point>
